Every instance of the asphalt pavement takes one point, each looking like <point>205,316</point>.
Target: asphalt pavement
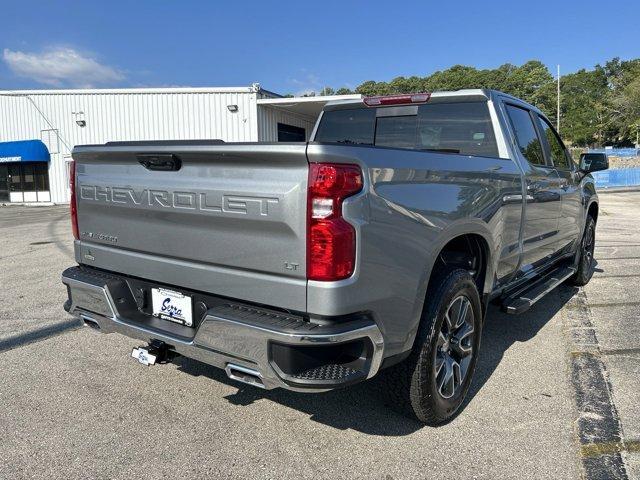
<point>74,404</point>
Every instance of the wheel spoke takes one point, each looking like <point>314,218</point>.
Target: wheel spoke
<point>447,319</point>
<point>464,332</point>
<point>441,339</point>
<point>463,344</point>
<point>457,375</point>
<point>454,312</point>
<point>464,366</point>
<point>439,364</point>
<point>446,386</point>
<point>462,313</point>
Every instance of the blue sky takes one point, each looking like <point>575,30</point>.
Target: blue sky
<point>292,47</point>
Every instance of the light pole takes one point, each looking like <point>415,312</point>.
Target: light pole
<point>558,109</point>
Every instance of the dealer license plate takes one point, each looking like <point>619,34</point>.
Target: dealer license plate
<point>172,306</point>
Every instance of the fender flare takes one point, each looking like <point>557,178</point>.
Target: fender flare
<point>456,229</point>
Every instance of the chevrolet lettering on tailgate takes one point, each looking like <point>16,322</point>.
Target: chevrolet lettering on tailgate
<point>205,202</point>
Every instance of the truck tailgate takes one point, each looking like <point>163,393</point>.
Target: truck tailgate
<point>225,219</point>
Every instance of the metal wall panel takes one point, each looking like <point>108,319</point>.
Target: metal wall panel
<point>269,117</point>
<point>111,115</point>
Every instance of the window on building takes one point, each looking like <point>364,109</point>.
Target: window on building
<point>15,178</point>
<point>42,176</point>
<point>290,133</point>
<point>28,177</point>
<point>526,135</point>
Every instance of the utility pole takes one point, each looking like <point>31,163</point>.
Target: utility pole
<point>558,110</point>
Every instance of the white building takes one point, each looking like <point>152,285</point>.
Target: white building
<point>39,128</point>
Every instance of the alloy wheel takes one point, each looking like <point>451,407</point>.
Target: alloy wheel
<point>454,349</point>
<point>587,247</point>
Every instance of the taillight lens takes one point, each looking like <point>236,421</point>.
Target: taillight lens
<point>73,205</point>
<point>331,240</point>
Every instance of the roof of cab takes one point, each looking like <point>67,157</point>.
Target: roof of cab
<point>471,94</point>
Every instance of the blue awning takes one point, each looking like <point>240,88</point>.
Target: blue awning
<point>24,151</point>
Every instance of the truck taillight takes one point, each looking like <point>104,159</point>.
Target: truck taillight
<point>73,205</point>
<point>331,240</point>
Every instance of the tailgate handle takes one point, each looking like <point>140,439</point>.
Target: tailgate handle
<point>167,162</point>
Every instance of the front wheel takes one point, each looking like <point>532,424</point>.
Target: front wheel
<point>585,254</point>
<point>432,382</point>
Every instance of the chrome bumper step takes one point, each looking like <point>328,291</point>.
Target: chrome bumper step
<point>239,338</point>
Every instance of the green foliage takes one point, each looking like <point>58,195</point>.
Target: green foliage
<point>327,91</point>
<point>598,107</point>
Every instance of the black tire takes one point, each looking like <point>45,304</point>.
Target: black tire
<point>416,386</point>
<point>585,254</point>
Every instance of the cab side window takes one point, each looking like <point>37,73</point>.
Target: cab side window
<point>558,153</point>
<point>526,135</point>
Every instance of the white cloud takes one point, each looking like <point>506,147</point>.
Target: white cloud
<point>60,67</point>
<point>306,83</point>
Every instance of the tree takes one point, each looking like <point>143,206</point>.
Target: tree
<point>599,106</point>
<point>368,88</point>
<point>327,91</point>
<point>626,108</point>
<point>586,108</point>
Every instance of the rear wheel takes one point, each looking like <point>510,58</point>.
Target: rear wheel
<point>585,254</point>
<point>432,382</point>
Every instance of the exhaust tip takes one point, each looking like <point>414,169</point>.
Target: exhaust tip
<point>244,375</point>
<point>91,323</point>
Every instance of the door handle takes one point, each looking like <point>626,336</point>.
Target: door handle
<point>167,162</point>
<point>516,198</point>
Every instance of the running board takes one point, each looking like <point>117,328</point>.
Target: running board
<point>522,300</point>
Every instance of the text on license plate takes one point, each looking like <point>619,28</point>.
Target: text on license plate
<point>172,305</point>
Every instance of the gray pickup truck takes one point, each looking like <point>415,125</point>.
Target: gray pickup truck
<point>373,249</point>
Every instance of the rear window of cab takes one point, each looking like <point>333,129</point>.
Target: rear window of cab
<point>462,127</point>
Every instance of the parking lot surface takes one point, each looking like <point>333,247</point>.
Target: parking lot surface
<point>74,404</point>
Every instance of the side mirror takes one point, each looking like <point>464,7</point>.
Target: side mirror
<point>593,162</point>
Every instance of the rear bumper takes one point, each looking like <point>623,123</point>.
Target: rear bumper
<point>258,346</point>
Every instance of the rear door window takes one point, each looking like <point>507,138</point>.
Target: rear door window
<point>463,128</point>
<point>526,135</point>
<point>556,148</point>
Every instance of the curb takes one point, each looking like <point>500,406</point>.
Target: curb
<point>600,190</point>
<point>598,427</point>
